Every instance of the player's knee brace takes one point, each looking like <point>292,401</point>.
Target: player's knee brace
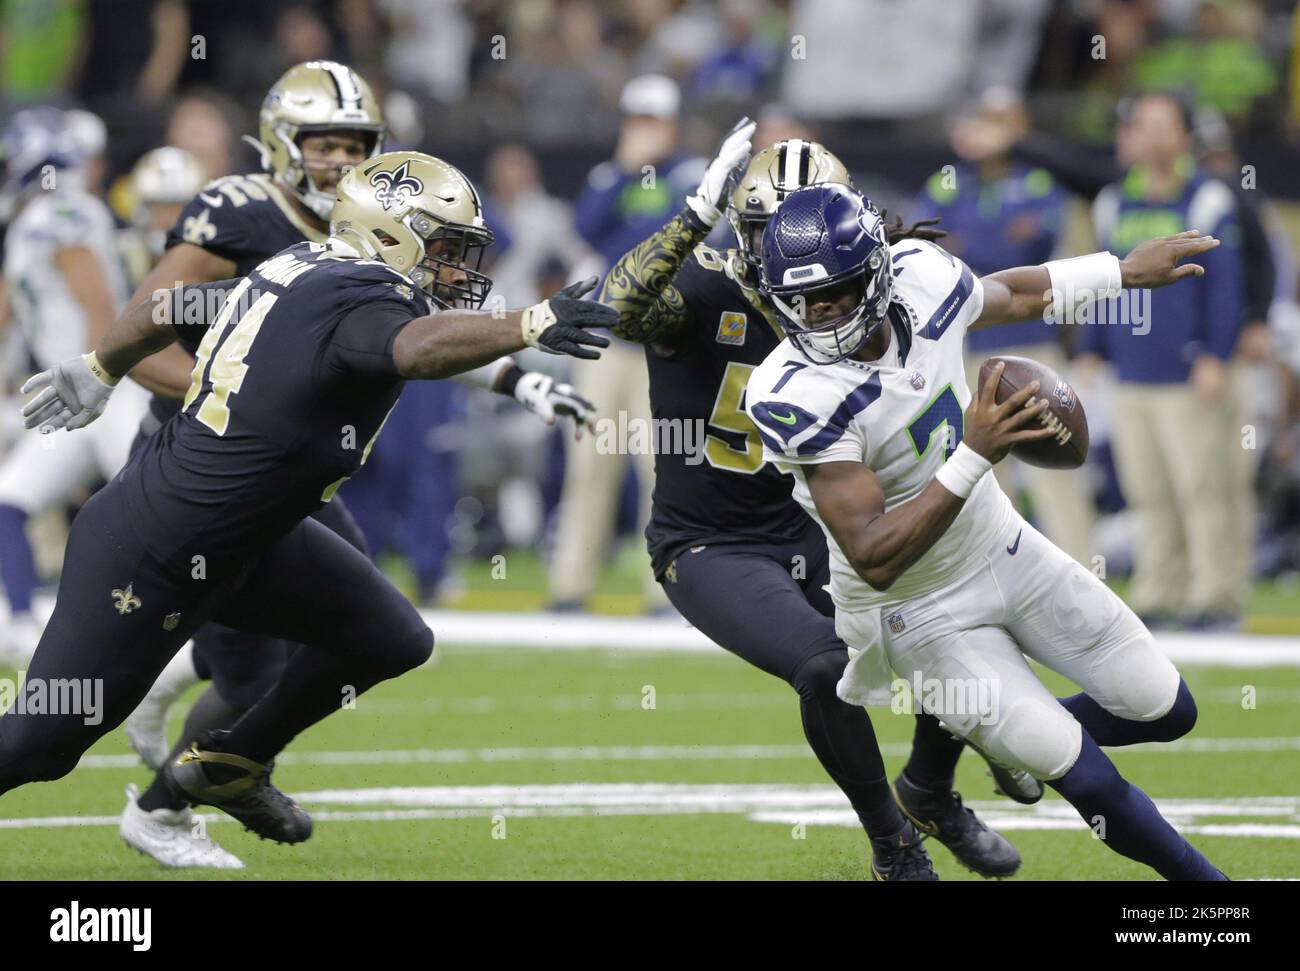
<point>1028,734</point>
<point>816,678</point>
<point>1140,682</point>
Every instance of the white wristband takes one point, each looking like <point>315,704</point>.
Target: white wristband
<point>1079,281</point>
<point>963,469</point>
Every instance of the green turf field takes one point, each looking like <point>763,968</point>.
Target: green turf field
<point>500,763</point>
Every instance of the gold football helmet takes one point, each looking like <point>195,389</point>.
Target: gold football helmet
<point>391,206</point>
<point>771,175</point>
<point>162,182</point>
<point>314,97</point>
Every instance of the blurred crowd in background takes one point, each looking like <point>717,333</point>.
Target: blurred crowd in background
<point>1020,123</point>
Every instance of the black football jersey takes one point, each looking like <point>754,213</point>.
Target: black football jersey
<point>243,219</point>
<point>293,381</point>
<point>722,491</point>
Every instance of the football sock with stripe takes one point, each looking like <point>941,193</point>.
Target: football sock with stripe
<point>1126,819</point>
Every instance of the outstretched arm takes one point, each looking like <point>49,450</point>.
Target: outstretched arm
<point>880,545</point>
<point>1029,292</point>
<point>453,341</point>
<point>640,285</point>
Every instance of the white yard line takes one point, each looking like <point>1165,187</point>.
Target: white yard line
<point>667,753</point>
<point>1275,817</point>
<point>461,628</point>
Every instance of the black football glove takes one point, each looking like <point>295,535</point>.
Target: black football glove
<point>560,325</point>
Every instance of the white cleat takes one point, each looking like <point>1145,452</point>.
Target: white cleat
<point>146,728</point>
<point>18,643</point>
<point>173,837</point>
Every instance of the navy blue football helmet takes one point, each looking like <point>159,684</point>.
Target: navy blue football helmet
<point>33,139</point>
<point>819,239</point>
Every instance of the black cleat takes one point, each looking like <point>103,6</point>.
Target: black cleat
<point>942,815</point>
<point>238,787</point>
<point>901,857</point>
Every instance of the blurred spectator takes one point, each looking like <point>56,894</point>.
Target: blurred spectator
<point>204,125</point>
<point>540,226</point>
<point>1174,431</point>
<point>125,64</point>
<point>431,43</point>
<point>404,496</point>
<point>1222,61</point>
<point>741,68</point>
<point>677,35</point>
<point>878,58</point>
<point>776,123</point>
<point>40,44</point>
<point>626,200</point>
<point>1000,213</point>
<point>91,135</point>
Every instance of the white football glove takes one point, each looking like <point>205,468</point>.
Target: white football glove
<point>539,393</point>
<point>72,394</point>
<point>733,155</point>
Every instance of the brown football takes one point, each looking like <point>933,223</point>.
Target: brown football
<point>1069,447</point>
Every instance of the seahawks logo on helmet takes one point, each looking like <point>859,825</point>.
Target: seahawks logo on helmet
<point>395,188</point>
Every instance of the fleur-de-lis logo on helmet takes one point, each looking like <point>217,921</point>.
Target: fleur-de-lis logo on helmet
<point>395,188</point>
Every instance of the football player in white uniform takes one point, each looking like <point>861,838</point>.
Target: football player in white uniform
<point>933,573</point>
<point>66,285</point>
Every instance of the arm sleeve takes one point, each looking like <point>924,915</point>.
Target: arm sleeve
<point>651,310</point>
<point>362,342</point>
<point>1078,169</point>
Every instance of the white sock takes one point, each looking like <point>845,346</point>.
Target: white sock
<point>176,677</point>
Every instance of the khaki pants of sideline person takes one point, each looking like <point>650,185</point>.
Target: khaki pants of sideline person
<point>1061,503</point>
<point>1240,568</point>
<point>592,481</point>
<point>1177,460</point>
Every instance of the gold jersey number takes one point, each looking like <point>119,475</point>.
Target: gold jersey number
<point>225,369</point>
<point>730,416</point>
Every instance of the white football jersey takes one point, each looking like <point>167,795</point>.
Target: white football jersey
<point>52,321</point>
<point>901,415</point>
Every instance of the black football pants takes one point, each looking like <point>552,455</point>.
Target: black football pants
<point>120,617</point>
<point>767,603</point>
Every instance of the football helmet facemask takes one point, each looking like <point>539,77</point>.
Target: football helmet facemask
<point>826,242</point>
<point>313,98</point>
<point>392,206</point>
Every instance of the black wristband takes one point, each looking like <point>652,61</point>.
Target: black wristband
<point>508,381</point>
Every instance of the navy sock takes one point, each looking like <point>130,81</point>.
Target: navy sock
<point>1108,729</point>
<point>1126,818</point>
<point>17,569</point>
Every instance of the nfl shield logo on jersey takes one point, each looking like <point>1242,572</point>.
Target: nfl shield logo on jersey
<point>731,328</point>
<point>896,623</point>
<point>917,380</point>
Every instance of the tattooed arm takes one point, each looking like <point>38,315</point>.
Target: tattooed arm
<point>640,285</point>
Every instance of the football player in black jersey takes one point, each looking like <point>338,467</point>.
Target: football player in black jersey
<point>318,119</point>
<point>736,555</point>
<point>211,518</point>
